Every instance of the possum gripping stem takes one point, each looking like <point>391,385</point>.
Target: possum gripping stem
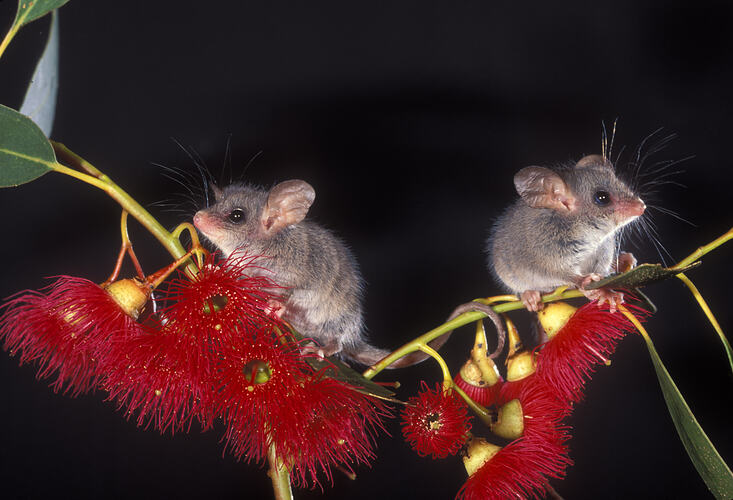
<point>458,321</point>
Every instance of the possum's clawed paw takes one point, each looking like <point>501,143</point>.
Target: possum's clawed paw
<point>532,300</point>
<point>323,351</point>
<point>625,262</point>
<point>274,308</point>
<point>614,298</point>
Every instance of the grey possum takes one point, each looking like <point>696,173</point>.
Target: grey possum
<point>563,230</point>
<point>323,287</point>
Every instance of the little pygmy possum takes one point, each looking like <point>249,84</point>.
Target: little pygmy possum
<point>563,230</point>
<point>323,289</point>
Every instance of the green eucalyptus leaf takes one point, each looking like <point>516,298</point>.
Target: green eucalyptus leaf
<point>706,459</point>
<point>25,153</point>
<point>39,103</point>
<point>30,10</point>
<point>337,369</point>
<point>641,275</point>
<point>341,371</point>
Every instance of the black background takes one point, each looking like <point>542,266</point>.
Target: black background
<point>409,119</point>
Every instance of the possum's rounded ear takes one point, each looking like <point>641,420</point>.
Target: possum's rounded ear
<point>590,160</point>
<point>287,203</point>
<point>217,191</point>
<point>541,187</point>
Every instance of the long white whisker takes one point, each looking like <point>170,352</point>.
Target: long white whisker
<point>671,213</point>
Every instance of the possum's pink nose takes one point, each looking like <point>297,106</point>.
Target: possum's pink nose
<point>632,208</point>
<point>637,207</point>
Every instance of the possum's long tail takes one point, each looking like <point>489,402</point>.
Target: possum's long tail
<point>369,355</point>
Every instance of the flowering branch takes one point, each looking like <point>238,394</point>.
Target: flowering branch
<point>457,322</point>
<point>513,303</point>
<point>704,250</point>
<point>96,178</point>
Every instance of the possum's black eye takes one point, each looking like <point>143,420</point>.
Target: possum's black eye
<point>236,216</point>
<point>601,198</point>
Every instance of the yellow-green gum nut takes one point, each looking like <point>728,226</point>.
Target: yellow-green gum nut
<point>257,372</point>
<point>510,421</point>
<point>479,452</point>
<point>554,316</point>
<point>219,302</point>
<point>519,366</point>
<point>471,374</point>
<point>130,294</point>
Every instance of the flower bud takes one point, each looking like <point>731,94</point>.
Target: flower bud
<point>554,316</point>
<point>479,382</point>
<point>510,421</point>
<point>520,365</point>
<point>479,452</point>
<point>130,294</point>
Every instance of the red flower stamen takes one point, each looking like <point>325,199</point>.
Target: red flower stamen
<point>65,328</point>
<point>167,376</point>
<point>222,302</point>
<point>435,423</point>
<point>568,360</point>
<point>340,431</point>
<point>521,469</point>
<point>313,422</point>
<point>161,376</point>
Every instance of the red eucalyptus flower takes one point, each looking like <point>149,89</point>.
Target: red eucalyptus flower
<point>522,468</point>
<point>339,430</point>
<point>510,473</point>
<point>166,375</point>
<point>569,358</point>
<point>258,387</point>
<point>163,377</point>
<point>435,423</point>
<point>222,302</point>
<point>65,328</point>
<point>481,394</point>
<point>269,396</point>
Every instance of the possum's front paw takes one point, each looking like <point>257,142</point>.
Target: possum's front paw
<point>323,351</point>
<point>532,300</point>
<point>625,262</point>
<point>614,298</point>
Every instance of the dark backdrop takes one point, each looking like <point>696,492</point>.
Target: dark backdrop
<point>410,120</point>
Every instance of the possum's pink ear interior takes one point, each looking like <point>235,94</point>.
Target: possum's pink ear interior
<point>287,203</point>
<point>541,187</point>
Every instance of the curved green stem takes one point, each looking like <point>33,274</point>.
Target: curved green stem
<point>447,379</point>
<point>127,202</point>
<point>468,317</point>
<point>706,309</point>
<point>279,475</point>
<point>96,178</point>
<point>199,250</point>
<point>481,412</point>
<point>458,321</point>
<point>704,249</point>
<point>8,37</point>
